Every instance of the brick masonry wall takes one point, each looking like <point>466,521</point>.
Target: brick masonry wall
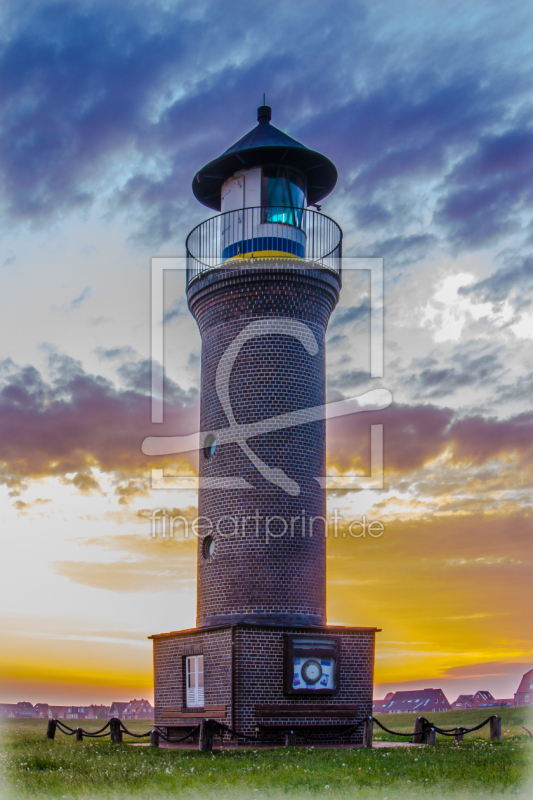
<point>258,675</point>
<point>169,665</point>
<point>259,678</point>
<point>251,577</point>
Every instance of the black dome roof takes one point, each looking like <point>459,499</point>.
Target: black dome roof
<point>264,145</point>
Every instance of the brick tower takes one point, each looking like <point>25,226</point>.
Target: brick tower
<point>263,277</point>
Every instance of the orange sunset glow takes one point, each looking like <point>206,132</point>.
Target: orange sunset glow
<point>434,156</point>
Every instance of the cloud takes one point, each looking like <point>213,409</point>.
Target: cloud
<point>521,390</point>
<point>471,371</point>
<point>345,316</point>
<point>178,310</point>
<point>477,439</point>
<point>116,353</point>
<point>99,105</point>
<point>416,434</point>
<point>76,303</point>
<point>348,379</point>
<point>488,189</point>
<point>401,251</point>
<point>146,563</point>
<point>70,421</point>
<point>514,279</point>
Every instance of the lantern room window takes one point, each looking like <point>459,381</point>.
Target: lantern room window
<point>195,681</point>
<point>283,196</point>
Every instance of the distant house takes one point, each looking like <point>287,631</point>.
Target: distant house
<point>419,701</point>
<point>464,701</point>
<point>378,705</point>
<point>24,710</point>
<point>8,709</point>
<point>42,710</point>
<point>58,712</point>
<point>97,712</point>
<point>481,699</point>
<point>117,710</point>
<point>524,693</point>
<point>76,712</point>
<point>139,709</point>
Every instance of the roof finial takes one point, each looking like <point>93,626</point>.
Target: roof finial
<point>264,112</point>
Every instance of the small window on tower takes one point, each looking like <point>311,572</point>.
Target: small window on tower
<point>210,445</point>
<point>208,547</point>
<point>195,681</point>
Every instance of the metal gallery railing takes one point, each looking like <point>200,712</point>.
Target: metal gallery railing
<point>263,232</point>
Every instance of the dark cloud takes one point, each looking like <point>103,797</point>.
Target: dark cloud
<point>515,277</point>
<point>487,191</point>
<point>347,315</point>
<point>71,421</point>
<point>349,379</point>
<point>432,381</point>
<point>401,251</point>
<point>477,439</point>
<point>521,390</point>
<point>414,435</point>
<point>137,375</point>
<point>126,101</point>
<point>116,353</point>
<point>179,309</point>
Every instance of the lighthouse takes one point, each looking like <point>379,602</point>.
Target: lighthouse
<point>263,277</point>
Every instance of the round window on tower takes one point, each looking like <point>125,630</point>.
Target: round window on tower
<point>208,547</point>
<point>210,445</point>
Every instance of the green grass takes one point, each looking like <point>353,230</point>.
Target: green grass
<point>32,766</point>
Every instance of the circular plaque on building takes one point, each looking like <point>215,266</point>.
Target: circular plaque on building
<point>311,671</point>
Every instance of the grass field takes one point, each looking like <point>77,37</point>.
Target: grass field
<point>32,766</point>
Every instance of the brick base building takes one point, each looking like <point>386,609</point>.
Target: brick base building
<point>247,671</point>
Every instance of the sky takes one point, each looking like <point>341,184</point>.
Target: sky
<point>108,110</point>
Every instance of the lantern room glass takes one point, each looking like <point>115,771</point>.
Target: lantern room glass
<point>283,196</point>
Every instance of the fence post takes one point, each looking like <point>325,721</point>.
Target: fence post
<point>368,730</point>
<point>458,735</point>
<point>115,730</point>
<point>495,729</point>
<point>205,744</point>
<point>290,739</point>
<point>154,738</point>
<point>79,735</point>
<point>419,733</point>
<point>51,729</point>
<point>431,736</point>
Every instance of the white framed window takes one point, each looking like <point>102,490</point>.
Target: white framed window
<point>194,667</point>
